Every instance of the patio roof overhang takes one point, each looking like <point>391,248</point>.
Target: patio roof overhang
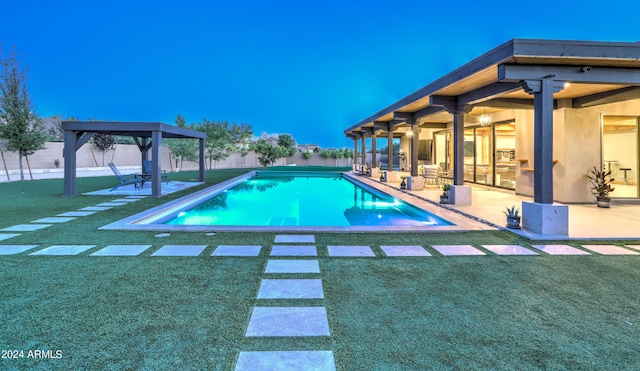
<point>77,133</point>
<point>597,73</point>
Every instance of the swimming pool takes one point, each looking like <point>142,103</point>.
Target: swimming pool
<point>308,200</point>
<point>360,208</point>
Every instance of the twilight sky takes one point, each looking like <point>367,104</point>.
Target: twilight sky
<point>308,68</point>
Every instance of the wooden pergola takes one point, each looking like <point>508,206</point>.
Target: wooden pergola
<point>147,135</point>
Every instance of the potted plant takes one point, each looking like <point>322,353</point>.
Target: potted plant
<point>403,183</point>
<point>601,186</point>
<point>513,217</point>
<point>383,176</point>
<point>444,197</point>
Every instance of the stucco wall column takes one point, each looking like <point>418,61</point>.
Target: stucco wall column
<point>363,152</point>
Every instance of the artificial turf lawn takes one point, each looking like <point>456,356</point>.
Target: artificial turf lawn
<point>487,312</point>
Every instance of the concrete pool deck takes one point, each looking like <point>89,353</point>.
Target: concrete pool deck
<point>586,221</point>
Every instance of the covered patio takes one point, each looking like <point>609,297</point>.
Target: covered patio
<point>147,135</point>
<point>557,98</point>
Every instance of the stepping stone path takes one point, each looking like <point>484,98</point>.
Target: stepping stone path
<point>458,250</point>
<point>405,251</point>
<point>15,249</point>
<point>509,250</point>
<point>180,250</point>
<point>121,250</point>
<point>6,236</point>
<point>63,250</point>
<point>350,251</point>
<point>53,219</point>
<point>560,250</point>
<point>289,321</point>
<point>232,250</point>
<point>610,250</point>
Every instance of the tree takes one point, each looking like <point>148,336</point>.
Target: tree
<point>240,138</point>
<point>267,153</point>
<point>183,149</point>
<point>219,144</point>
<point>23,130</point>
<point>104,142</point>
<point>286,141</point>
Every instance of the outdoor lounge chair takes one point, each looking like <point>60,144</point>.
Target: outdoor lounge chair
<point>134,179</point>
<point>147,168</point>
<point>431,173</point>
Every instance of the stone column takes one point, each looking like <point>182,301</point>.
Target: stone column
<point>374,162</point>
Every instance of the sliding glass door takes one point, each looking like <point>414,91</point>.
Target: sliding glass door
<point>620,153</point>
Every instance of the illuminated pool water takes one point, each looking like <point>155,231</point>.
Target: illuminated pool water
<point>303,200</point>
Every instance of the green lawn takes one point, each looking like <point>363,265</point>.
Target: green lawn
<point>488,312</point>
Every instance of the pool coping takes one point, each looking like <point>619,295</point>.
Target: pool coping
<point>144,221</point>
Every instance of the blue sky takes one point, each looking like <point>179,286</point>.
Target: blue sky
<point>308,68</point>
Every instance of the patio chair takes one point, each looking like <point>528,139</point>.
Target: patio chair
<point>147,168</point>
<point>125,179</point>
<point>430,173</point>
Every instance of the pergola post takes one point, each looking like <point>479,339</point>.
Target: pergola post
<point>355,153</point>
<point>69,153</point>
<point>201,159</point>
<point>156,140</point>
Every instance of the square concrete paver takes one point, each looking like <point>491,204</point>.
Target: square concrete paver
<point>63,250</point>
<point>109,204</point>
<point>121,250</point>
<point>284,250</point>
<point>25,227</point>
<point>320,360</point>
<point>180,250</point>
<point>291,289</point>
<point>292,266</point>
<point>288,321</point>
<point>126,200</point>
<point>509,250</point>
<point>53,219</point>
<point>359,251</point>
<point>458,250</point>
<point>636,247</point>
<point>405,251</point>
<point>6,236</point>
<point>236,250</point>
<point>95,208</point>
<point>560,250</point>
<point>295,238</point>
<point>15,249</point>
<point>610,250</point>
<point>77,213</point>
<point>138,197</point>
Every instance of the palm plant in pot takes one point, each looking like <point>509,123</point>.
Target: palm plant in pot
<point>601,186</point>
<point>444,197</point>
<point>513,217</point>
<point>403,183</point>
